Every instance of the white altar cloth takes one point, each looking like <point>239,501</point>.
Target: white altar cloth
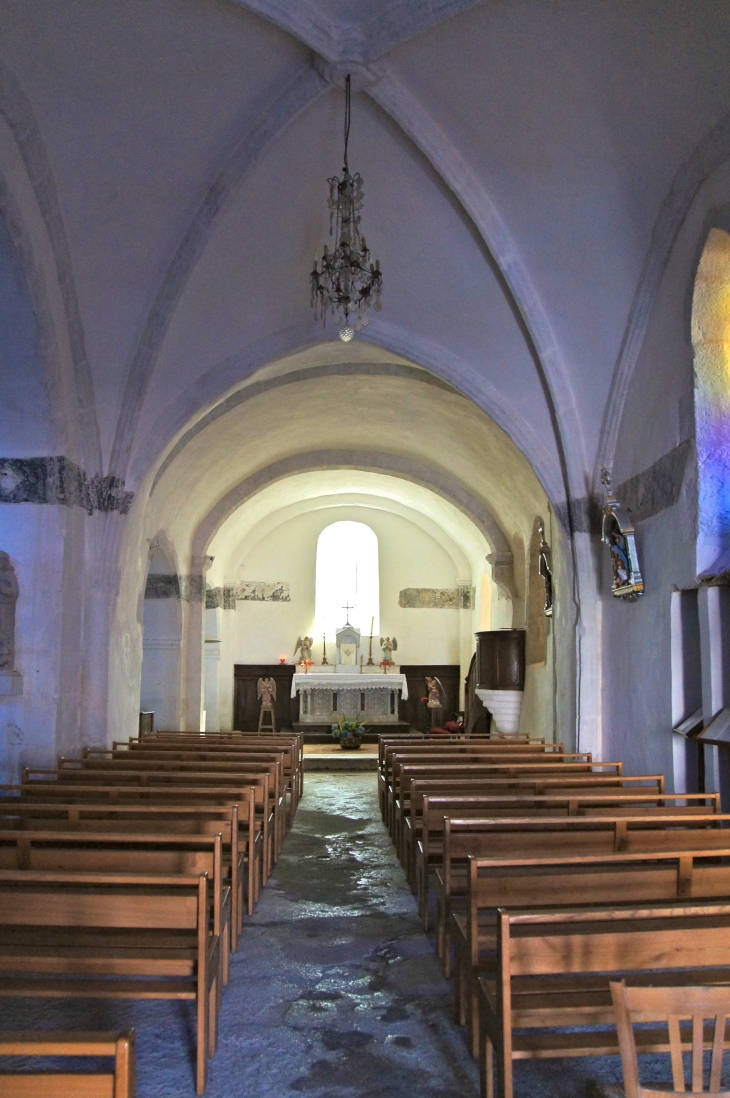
<point>353,681</point>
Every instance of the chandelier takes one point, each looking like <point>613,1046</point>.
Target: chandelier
<point>346,283</point>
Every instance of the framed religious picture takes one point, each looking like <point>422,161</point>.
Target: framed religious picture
<point>618,534</point>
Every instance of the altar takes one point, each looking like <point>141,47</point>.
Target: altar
<point>326,694</point>
<point>348,688</point>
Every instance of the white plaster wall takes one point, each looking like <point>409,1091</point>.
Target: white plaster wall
<point>636,642</point>
<point>408,558</point>
<point>33,537</point>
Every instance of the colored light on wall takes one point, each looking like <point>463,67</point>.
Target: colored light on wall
<point>711,342</point>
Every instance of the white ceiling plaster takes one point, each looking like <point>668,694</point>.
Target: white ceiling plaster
<point>527,166</point>
<point>352,30</point>
<point>302,492</point>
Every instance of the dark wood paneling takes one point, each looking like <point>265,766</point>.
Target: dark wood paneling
<point>450,677</point>
<point>501,659</point>
<point>476,717</point>
<point>245,703</point>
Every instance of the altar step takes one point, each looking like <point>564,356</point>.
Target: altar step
<point>330,757</point>
<point>322,733</point>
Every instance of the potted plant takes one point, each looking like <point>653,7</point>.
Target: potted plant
<point>348,733</point>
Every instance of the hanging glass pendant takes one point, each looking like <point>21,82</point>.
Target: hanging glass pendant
<point>345,283</point>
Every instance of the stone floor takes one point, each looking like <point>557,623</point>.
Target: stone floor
<point>335,991</point>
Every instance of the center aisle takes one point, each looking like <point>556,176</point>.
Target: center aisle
<point>339,991</point>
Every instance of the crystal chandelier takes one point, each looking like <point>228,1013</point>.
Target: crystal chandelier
<point>346,283</point>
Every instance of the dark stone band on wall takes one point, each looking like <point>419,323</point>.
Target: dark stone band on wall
<point>60,481</point>
<point>163,585</point>
<point>650,492</point>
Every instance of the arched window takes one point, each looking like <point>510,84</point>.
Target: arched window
<point>347,573</point>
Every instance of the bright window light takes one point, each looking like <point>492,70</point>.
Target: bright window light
<point>347,573</point>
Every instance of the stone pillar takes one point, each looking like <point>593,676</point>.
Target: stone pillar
<point>212,685</point>
<point>194,634</point>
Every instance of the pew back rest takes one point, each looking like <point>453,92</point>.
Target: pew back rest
<point>117,1083</point>
<point>617,939</point>
<point>538,837</point>
<point>636,878</point>
<point>102,900</point>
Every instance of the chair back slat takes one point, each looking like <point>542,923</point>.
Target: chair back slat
<point>674,1006</point>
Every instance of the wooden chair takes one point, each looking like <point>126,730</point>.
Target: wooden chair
<point>119,1083</point>
<point>673,1005</point>
<point>553,968</point>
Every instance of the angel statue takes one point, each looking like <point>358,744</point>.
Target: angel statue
<point>266,693</point>
<point>435,702</point>
<point>305,645</point>
<point>389,647</point>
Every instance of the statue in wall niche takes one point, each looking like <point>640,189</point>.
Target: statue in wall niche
<point>8,599</point>
<point>545,571</point>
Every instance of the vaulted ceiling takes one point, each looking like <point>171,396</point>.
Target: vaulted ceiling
<point>519,159</point>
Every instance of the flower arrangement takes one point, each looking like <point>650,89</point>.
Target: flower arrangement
<point>348,733</point>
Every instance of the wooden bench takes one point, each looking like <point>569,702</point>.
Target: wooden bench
<point>236,823</point>
<point>209,793</point>
<point>159,855</point>
<point>232,740</point>
<point>407,771</point>
<point>537,837</point>
<point>139,772</point>
<point>115,936</point>
<point>499,801</point>
<point>471,755</point>
<point>553,967</point>
<point>223,752</point>
<point>118,1083</point>
<point>528,784</point>
<point>388,748</point>
<point>492,884</point>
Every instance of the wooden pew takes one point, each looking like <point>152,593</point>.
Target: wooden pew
<point>221,752</point>
<point>552,969</point>
<point>467,755</point>
<point>205,792</point>
<point>494,883</point>
<point>100,935</point>
<point>538,837</point>
<point>389,745</point>
<point>484,781</point>
<point>118,1083</point>
<point>408,768</point>
<point>139,771</point>
<point>236,823</point>
<point>233,740</point>
<point>500,800</point>
<point>160,855</point>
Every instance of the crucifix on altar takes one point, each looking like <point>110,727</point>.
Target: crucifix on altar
<point>347,608</point>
